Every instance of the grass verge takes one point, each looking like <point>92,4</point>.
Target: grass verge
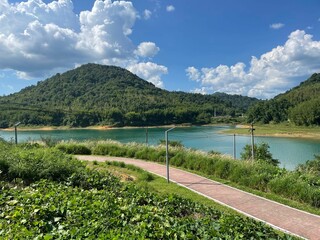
<point>279,130</point>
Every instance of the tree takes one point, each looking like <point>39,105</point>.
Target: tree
<point>311,166</point>
<point>261,153</point>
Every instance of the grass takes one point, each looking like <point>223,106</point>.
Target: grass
<point>287,130</point>
<point>157,185</point>
<point>268,195</point>
<point>160,186</point>
<point>299,186</point>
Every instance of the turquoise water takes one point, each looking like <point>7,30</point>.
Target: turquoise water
<point>290,151</point>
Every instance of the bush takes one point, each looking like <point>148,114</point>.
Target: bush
<point>32,164</point>
<point>311,166</point>
<point>145,176</point>
<point>261,153</point>
<point>73,148</point>
<point>259,174</point>
<point>293,186</point>
<point>109,149</point>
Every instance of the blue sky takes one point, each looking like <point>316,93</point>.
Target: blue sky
<point>248,47</point>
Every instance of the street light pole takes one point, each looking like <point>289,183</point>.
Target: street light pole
<point>147,139</point>
<point>167,152</point>
<point>16,132</point>
<point>252,141</point>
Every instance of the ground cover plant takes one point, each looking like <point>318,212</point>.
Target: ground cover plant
<point>90,204</point>
<point>257,175</point>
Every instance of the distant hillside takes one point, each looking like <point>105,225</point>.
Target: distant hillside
<point>97,94</point>
<point>301,105</point>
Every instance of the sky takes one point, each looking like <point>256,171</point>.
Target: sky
<point>248,47</point>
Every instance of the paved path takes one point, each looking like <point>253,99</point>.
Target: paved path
<point>277,215</point>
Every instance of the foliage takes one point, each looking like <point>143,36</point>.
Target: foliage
<point>48,141</point>
<point>50,210</point>
<point>306,113</point>
<point>311,166</point>
<point>260,175</point>
<point>91,204</point>
<point>31,163</point>
<point>95,94</point>
<point>261,153</point>
<point>301,105</point>
<point>73,148</point>
<point>171,143</point>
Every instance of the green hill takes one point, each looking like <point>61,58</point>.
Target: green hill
<point>96,94</point>
<point>300,105</point>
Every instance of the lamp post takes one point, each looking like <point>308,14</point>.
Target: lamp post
<point>15,132</point>
<point>252,141</point>
<point>167,152</point>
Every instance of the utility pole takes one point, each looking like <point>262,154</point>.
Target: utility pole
<point>252,141</point>
<point>167,152</point>
<point>16,132</point>
<point>147,136</point>
<point>234,146</point>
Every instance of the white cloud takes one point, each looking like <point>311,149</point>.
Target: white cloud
<point>147,49</point>
<point>268,75</point>
<point>202,90</point>
<point>170,8</point>
<point>150,71</point>
<point>277,25</point>
<point>147,14</point>
<point>193,74</point>
<point>38,39</point>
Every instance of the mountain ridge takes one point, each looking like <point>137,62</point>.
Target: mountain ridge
<point>98,94</point>
<point>300,105</point>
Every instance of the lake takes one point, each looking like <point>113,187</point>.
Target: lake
<point>290,151</point>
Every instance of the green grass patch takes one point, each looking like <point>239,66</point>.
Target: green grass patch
<point>255,175</point>
<point>94,204</point>
<point>288,130</point>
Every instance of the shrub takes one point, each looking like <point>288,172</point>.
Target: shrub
<point>172,143</point>
<point>49,141</point>
<point>145,176</point>
<point>34,164</point>
<point>109,149</point>
<point>261,153</point>
<point>258,174</point>
<point>311,166</point>
<point>73,148</point>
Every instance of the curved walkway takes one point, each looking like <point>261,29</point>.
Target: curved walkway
<point>277,215</point>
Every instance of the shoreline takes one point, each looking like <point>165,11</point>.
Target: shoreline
<point>240,129</point>
<point>51,128</point>
<point>281,131</point>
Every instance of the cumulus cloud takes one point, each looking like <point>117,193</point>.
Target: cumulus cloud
<point>149,70</point>
<point>147,14</point>
<point>193,74</point>
<point>147,49</point>
<point>38,38</point>
<point>277,25</point>
<point>202,91</point>
<point>268,75</point>
<point>170,8</point>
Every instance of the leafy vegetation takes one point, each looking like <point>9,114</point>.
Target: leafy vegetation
<point>96,205</point>
<point>301,105</point>
<point>261,153</point>
<point>258,175</point>
<point>95,94</point>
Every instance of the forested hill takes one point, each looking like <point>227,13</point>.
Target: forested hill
<point>300,105</point>
<point>97,94</point>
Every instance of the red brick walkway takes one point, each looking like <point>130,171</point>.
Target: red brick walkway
<point>277,215</point>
